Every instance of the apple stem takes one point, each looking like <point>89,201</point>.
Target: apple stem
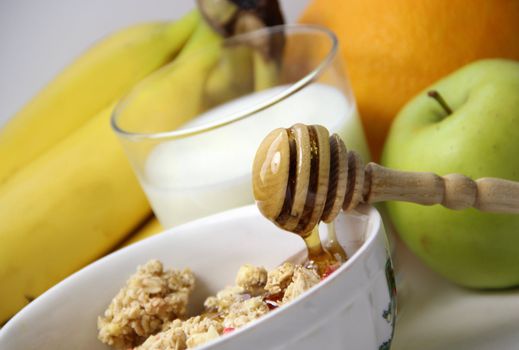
<point>436,95</point>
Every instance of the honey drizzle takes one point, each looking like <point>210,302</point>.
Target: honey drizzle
<point>322,259</point>
<point>318,257</point>
<point>332,244</point>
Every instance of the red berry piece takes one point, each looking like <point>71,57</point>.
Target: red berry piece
<point>329,270</point>
<point>227,330</point>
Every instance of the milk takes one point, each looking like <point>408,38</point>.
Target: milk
<point>195,176</point>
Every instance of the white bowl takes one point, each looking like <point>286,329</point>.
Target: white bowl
<point>353,308</point>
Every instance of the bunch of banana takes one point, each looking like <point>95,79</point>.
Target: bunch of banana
<point>67,192</point>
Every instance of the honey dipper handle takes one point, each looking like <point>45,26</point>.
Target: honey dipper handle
<point>453,191</point>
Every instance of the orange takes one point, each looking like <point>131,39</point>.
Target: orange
<point>394,49</point>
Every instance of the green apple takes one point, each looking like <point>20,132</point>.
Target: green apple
<point>479,137</point>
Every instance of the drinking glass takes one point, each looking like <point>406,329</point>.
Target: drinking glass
<point>191,129</point>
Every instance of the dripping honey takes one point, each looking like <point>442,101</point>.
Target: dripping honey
<point>324,259</point>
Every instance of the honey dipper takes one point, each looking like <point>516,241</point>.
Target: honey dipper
<point>301,175</point>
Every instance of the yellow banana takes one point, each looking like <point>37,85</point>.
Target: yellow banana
<point>179,86</point>
<point>99,77</point>
<point>64,210</point>
<point>80,198</point>
<point>231,77</point>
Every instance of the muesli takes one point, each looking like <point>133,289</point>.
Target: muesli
<point>149,312</point>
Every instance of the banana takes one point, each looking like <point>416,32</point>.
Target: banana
<point>178,85</point>
<point>64,210</point>
<point>99,77</point>
<point>231,77</point>
<point>79,199</point>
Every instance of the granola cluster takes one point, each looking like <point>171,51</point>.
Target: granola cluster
<point>149,312</point>
<point>151,299</point>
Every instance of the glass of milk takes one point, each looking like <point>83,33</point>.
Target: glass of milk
<point>191,129</point>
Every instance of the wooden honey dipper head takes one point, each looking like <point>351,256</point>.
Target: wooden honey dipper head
<point>302,175</point>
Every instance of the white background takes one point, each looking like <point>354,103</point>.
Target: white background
<point>39,38</point>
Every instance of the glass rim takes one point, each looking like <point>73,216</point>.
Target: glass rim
<point>250,111</point>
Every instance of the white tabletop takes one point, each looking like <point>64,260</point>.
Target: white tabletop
<point>434,314</point>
